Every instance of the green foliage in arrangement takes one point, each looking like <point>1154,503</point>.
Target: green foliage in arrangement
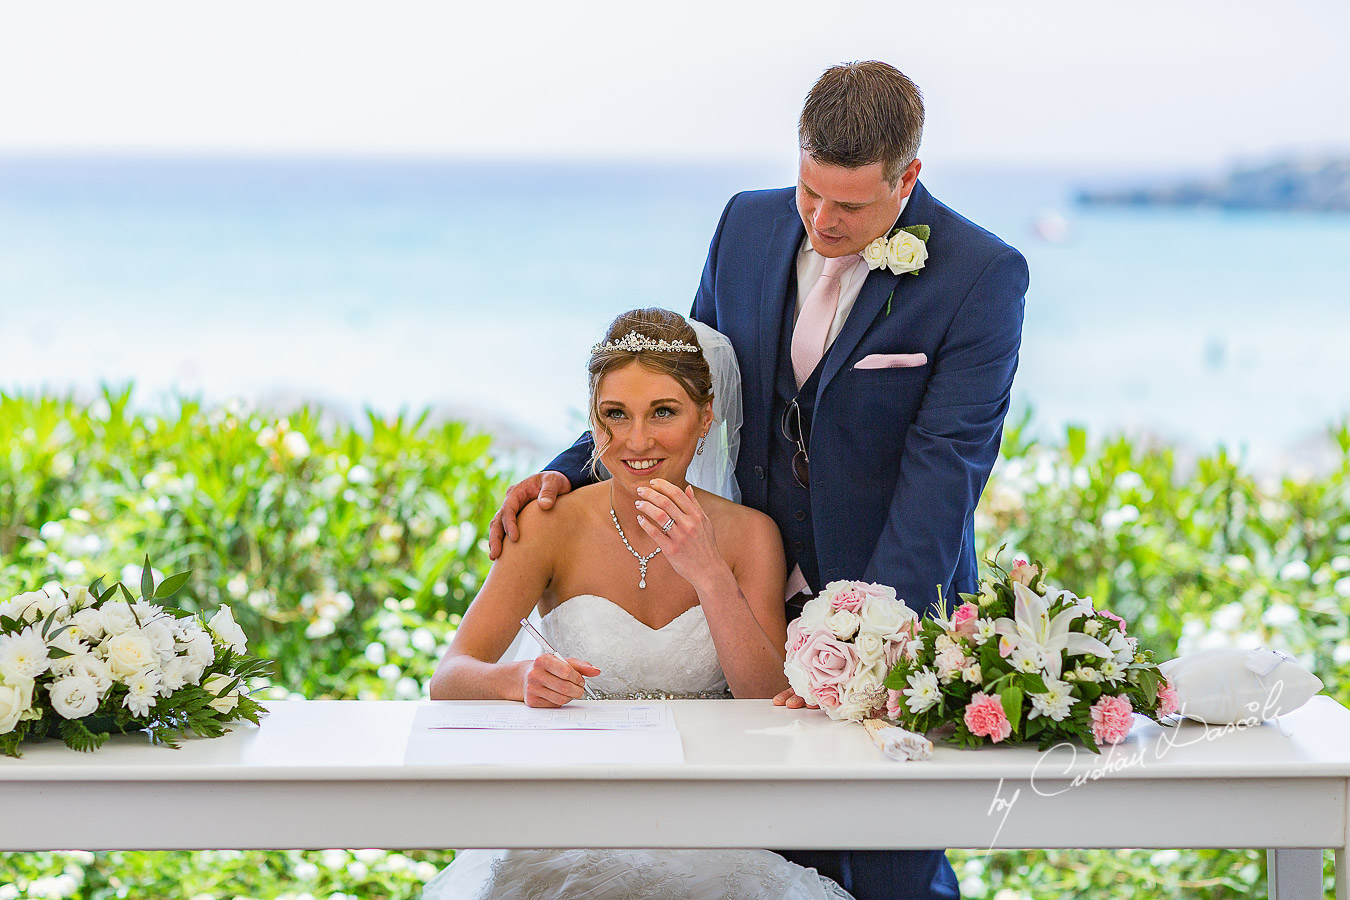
<point>348,553</point>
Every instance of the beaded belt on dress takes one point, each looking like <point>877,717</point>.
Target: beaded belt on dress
<point>664,695</point>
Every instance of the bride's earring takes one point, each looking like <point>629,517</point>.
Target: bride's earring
<point>701,442</point>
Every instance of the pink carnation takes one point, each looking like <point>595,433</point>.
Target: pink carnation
<point>985,717</point>
<point>1111,720</point>
<point>963,620</point>
<point>850,598</point>
<point>1167,699</point>
<point>827,659</point>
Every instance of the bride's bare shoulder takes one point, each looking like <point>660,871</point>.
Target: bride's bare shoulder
<point>735,518</point>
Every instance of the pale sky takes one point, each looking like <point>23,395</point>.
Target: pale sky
<point>1075,83</point>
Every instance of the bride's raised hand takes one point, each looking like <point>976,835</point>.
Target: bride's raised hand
<point>550,682</point>
<point>675,520</point>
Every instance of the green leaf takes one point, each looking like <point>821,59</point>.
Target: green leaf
<point>1012,705</point>
<point>172,585</point>
<point>147,581</point>
<point>1033,683</point>
<point>922,232</point>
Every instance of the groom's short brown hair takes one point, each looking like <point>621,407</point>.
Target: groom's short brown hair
<point>860,113</point>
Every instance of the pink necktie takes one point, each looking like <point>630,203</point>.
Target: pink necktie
<point>813,325</point>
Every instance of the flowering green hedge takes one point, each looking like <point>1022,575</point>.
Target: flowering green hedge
<point>348,553</point>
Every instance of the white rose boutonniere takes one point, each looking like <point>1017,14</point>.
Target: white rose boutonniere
<point>903,249</point>
<point>905,253</point>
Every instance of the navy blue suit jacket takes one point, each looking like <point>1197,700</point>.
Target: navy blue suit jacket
<point>899,457</point>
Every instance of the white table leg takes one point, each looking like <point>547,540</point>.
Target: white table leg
<point>1295,874</point>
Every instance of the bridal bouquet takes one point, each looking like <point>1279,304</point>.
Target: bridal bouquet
<point>840,649</point>
<point>1024,661</point>
<point>85,662</point>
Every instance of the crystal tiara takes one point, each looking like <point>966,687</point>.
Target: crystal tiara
<point>636,342</point>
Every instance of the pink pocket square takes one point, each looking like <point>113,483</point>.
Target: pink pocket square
<point>891,361</point>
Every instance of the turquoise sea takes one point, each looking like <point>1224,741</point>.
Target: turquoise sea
<point>477,287</point>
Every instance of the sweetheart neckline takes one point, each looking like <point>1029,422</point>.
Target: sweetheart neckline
<point>622,610</point>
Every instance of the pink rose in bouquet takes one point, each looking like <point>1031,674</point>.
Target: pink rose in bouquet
<point>828,659</point>
<point>850,598</point>
<point>840,649</point>
<point>1024,572</point>
<point>963,620</point>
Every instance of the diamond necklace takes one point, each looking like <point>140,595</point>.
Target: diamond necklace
<point>642,560</point>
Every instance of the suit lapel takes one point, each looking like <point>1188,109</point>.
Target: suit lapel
<point>876,290</point>
<point>780,267</point>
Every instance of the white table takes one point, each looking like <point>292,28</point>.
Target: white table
<point>332,774</point>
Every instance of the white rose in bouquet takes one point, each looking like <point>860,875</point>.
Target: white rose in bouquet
<point>24,607</point>
<point>842,624</point>
<point>88,624</point>
<point>96,669</point>
<point>51,600</point>
<point>814,613</point>
<point>870,647</point>
<point>117,617</point>
<point>12,706</point>
<point>130,652</point>
<point>886,617</point>
<point>75,696</point>
<point>222,624</point>
<point>161,638</point>
<point>224,702</point>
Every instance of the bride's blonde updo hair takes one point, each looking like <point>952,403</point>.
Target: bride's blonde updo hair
<point>688,368</point>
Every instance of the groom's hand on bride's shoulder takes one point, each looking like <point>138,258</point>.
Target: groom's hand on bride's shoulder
<point>790,699</point>
<point>546,487</point>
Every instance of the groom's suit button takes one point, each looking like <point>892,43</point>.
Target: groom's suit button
<point>759,471</point>
<point>800,515</point>
<point>798,546</point>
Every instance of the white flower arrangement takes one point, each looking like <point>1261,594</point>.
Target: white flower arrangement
<point>83,663</point>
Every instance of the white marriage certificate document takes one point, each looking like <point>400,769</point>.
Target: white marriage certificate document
<point>585,732</point>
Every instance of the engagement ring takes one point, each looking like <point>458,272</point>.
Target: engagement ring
<point>670,523</point>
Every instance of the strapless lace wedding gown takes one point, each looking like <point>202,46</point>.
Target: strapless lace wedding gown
<point>678,660</point>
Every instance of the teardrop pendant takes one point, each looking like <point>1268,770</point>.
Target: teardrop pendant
<point>642,560</point>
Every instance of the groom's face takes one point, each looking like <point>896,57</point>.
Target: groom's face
<point>844,210</point>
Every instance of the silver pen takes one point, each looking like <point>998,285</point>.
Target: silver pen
<point>543,642</point>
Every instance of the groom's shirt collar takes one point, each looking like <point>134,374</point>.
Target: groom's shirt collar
<point>809,266</point>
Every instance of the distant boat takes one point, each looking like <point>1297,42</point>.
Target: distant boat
<point>1051,226</point>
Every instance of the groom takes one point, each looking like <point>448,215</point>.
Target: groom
<point>874,398</point>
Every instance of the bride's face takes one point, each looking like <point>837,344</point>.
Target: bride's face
<point>655,425</point>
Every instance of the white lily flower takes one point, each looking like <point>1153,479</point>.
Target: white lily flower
<point>1033,628</point>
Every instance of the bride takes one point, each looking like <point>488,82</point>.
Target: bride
<point>657,589</point>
